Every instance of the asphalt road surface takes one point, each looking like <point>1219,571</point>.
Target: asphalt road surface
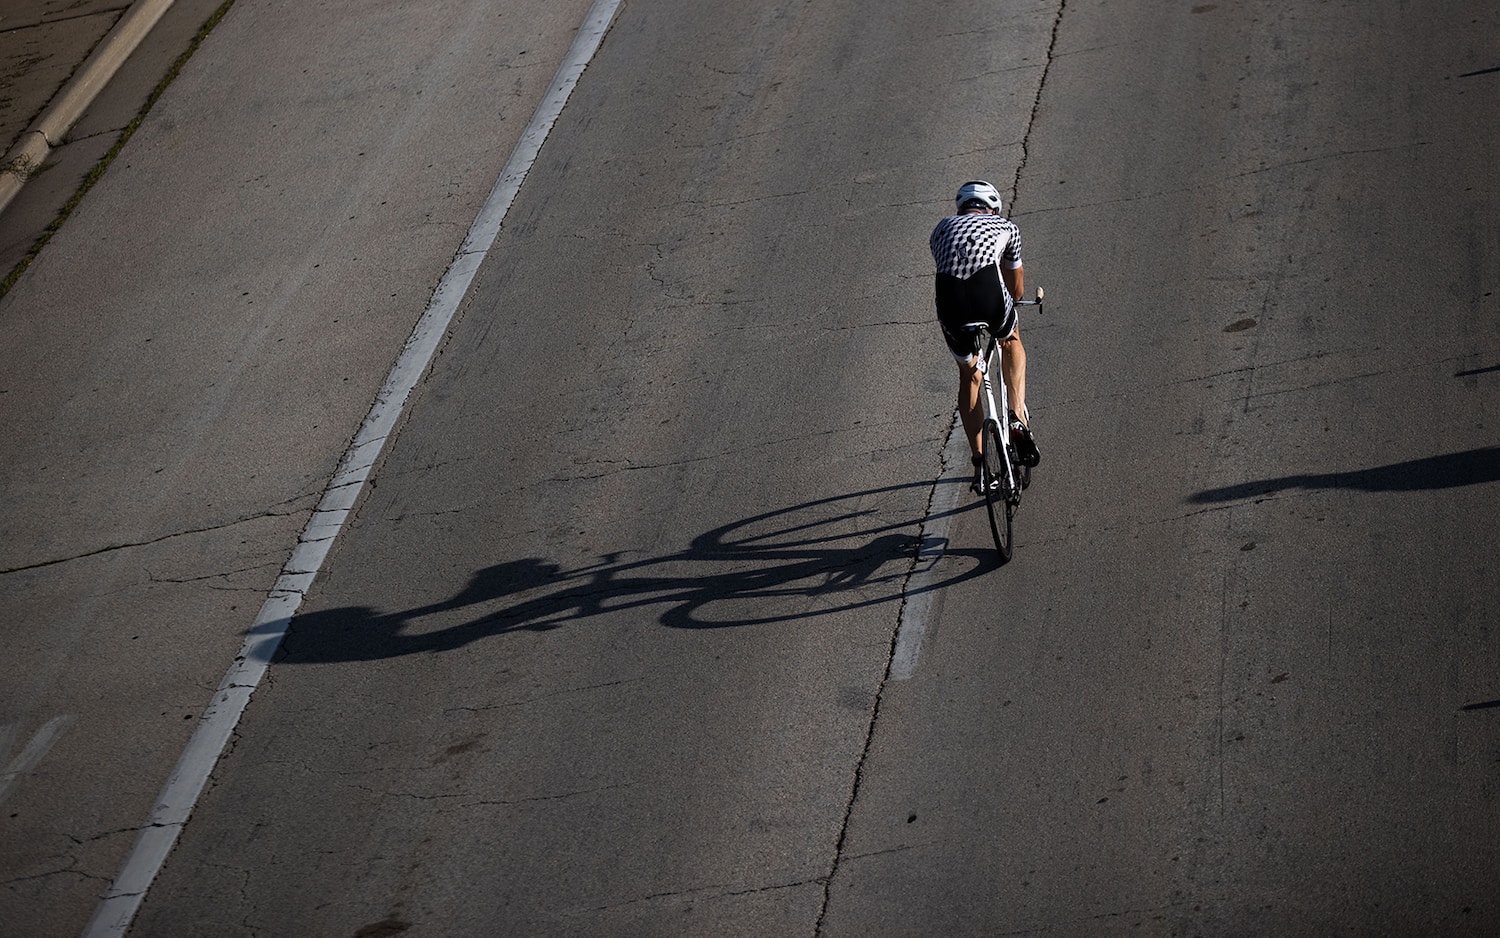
<point>668,611</point>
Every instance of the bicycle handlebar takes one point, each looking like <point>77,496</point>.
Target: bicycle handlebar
<point>1036,302</point>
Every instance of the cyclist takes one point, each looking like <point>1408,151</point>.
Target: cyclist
<point>979,275</point>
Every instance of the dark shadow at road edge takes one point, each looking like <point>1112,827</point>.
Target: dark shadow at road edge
<point>789,564</point>
<point>1469,373</point>
<point>1472,467</point>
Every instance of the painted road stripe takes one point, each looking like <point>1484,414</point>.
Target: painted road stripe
<point>922,592</point>
<point>118,907</point>
<point>40,744</point>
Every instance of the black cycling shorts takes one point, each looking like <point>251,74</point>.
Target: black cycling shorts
<point>981,298</point>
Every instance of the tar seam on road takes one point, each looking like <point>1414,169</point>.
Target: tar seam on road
<point>918,591</point>
<point>118,908</point>
<point>1041,86</point>
<point>911,623</point>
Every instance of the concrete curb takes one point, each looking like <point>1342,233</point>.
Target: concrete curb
<point>53,124</point>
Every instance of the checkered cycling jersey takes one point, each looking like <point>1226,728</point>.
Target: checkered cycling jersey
<point>962,244</point>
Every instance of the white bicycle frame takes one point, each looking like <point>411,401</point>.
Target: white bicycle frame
<point>1001,415</point>
<point>986,355</point>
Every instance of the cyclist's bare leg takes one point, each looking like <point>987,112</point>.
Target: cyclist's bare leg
<point>970,381</point>
<point>1013,370</point>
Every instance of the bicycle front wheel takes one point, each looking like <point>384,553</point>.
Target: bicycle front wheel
<point>997,488</point>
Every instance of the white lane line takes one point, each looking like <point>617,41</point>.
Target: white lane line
<point>31,755</point>
<point>922,595</point>
<point>117,909</point>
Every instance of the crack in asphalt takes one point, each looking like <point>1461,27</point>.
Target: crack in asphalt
<point>1036,104</point>
<point>510,802</point>
<point>1411,366</point>
<point>708,892</point>
<point>274,564</point>
<point>66,871</point>
<point>149,542</point>
<point>874,718</point>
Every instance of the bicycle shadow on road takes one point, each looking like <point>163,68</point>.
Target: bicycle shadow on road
<point>1471,467</point>
<point>826,556</point>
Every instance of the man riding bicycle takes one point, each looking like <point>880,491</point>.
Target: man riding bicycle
<point>979,277</point>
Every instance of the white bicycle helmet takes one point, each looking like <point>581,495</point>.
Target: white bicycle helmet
<point>978,192</point>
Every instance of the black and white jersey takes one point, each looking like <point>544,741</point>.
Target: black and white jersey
<point>962,244</point>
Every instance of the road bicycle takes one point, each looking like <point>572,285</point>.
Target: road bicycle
<point>1002,477</point>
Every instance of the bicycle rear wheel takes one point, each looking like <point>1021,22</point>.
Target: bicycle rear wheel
<point>997,488</point>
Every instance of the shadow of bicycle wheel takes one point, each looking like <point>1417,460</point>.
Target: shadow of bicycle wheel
<point>825,556</point>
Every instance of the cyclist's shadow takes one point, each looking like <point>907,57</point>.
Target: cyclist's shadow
<point>793,563</point>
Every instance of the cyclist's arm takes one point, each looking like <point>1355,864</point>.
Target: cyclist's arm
<point>1015,281</point>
